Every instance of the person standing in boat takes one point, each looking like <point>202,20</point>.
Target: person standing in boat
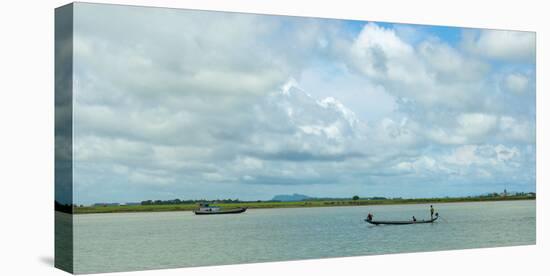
<point>369,217</point>
<point>431,211</point>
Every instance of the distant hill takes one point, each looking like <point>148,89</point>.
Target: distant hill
<point>293,197</point>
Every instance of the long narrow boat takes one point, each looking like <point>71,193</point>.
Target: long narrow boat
<point>402,222</point>
<point>205,209</point>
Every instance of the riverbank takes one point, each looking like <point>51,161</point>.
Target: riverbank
<point>293,204</point>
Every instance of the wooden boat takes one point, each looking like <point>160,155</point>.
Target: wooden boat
<point>206,209</point>
<point>397,222</point>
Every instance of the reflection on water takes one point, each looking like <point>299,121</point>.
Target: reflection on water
<point>136,241</point>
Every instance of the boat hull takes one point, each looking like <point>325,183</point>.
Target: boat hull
<point>379,222</point>
<point>220,212</point>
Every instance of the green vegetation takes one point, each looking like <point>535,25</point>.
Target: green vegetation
<point>355,201</point>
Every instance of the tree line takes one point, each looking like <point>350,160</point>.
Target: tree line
<point>192,201</point>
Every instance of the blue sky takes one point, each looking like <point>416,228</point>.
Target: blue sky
<point>192,104</point>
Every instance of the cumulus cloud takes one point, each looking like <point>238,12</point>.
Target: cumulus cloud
<point>431,73</point>
<point>515,130</point>
<point>198,104</point>
<point>516,83</point>
<point>476,124</point>
<point>503,45</point>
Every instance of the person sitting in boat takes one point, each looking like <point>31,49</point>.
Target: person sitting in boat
<point>369,217</point>
<point>414,218</point>
<point>432,211</point>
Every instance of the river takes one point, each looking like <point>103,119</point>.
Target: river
<point>139,241</point>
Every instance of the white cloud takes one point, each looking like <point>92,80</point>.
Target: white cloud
<point>476,124</point>
<point>448,64</point>
<point>496,156</point>
<point>431,73</point>
<point>464,155</point>
<point>150,178</point>
<point>516,83</point>
<point>170,107</point>
<point>369,101</point>
<point>422,165</point>
<point>467,128</point>
<point>516,130</point>
<point>250,162</point>
<point>501,45</point>
<point>380,54</point>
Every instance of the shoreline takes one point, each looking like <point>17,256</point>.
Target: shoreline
<point>288,204</point>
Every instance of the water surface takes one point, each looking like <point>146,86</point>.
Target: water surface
<point>137,241</point>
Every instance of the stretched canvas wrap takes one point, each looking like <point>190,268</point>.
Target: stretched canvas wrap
<point>196,138</point>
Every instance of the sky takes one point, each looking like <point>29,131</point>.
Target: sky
<point>172,103</point>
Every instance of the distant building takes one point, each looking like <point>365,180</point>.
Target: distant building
<point>503,194</point>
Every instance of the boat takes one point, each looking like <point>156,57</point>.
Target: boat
<point>402,222</point>
<point>206,209</point>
